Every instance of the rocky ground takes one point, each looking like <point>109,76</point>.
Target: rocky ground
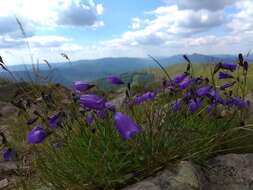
<point>7,169</point>
<point>227,172</point>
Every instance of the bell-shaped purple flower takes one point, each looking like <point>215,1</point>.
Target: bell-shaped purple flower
<point>102,114</point>
<point>54,121</point>
<point>82,86</point>
<point>92,101</point>
<point>8,154</point>
<point>36,135</point>
<point>179,77</point>
<point>187,94</point>
<point>228,66</point>
<point>211,107</point>
<point>137,100</point>
<point>216,97</point>
<point>115,80</point>
<point>126,127</point>
<point>176,105</point>
<point>148,96</point>
<point>223,75</point>
<point>185,83</point>
<point>227,85</point>
<point>110,106</point>
<point>194,105</point>
<point>204,91</point>
<point>238,102</point>
<point>89,119</point>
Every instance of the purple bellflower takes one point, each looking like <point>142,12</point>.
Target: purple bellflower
<point>110,106</point>
<point>126,127</point>
<point>92,101</point>
<point>215,95</point>
<point>223,75</point>
<point>227,85</point>
<point>238,102</point>
<point>194,105</point>
<point>82,86</point>
<point>102,114</point>
<point>137,100</point>
<point>176,105</point>
<point>185,83</point>
<point>228,66</point>
<point>115,80</point>
<point>8,154</point>
<point>53,120</point>
<point>211,107</point>
<point>89,119</point>
<point>148,96</point>
<point>187,95</point>
<point>204,91</point>
<point>179,77</point>
<point>36,135</point>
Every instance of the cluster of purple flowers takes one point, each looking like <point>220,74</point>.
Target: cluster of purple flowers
<point>193,93</point>
<point>126,127</point>
<point>93,104</point>
<point>148,96</point>
<point>198,91</point>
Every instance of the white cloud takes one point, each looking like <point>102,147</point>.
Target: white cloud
<point>241,22</point>
<point>173,30</point>
<point>47,41</point>
<point>49,48</point>
<point>52,13</point>
<point>168,24</point>
<point>34,41</point>
<point>36,15</point>
<point>78,13</point>
<point>7,43</point>
<point>137,23</point>
<point>178,21</point>
<point>212,5</point>
<point>98,24</point>
<point>10,28</point>
<point>100,9</point>
<point>69,48</point>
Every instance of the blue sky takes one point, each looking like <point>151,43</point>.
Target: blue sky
<point>90,29</point>
<point>117,16</point>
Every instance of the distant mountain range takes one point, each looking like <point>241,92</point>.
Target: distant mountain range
<point>65,73</point>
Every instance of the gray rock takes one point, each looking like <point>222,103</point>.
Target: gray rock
<point>145,185</point>
<point>230,172</point>
<point>8,115</point>
<point>119,100</point>
<point>4,183</point>
<point>7,109</point>
<point>183,177</point>
<point>8,167</point>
